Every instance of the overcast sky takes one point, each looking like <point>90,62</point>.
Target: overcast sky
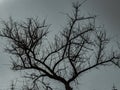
<point>108,15</point>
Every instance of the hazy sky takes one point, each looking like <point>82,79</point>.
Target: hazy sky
<point>108,15</point>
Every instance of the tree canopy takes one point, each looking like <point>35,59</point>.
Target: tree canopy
<point>78,48</point>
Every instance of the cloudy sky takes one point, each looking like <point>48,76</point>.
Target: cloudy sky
<point>108,15</point>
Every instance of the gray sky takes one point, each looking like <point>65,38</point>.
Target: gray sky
<point>108,15</point>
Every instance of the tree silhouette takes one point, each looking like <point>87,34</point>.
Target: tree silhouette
<point>12,86</point>
<point>114,88</point>
<point>79,48</point>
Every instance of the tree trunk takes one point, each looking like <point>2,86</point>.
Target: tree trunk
<point>68,87</point>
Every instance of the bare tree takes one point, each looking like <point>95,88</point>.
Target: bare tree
<point>114,87</point>
<point>79,48</point>
<point>13,86</point>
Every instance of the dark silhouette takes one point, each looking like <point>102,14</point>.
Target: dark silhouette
<point>79,48</point>
<point>114,88</point>
<point>12,86</point>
